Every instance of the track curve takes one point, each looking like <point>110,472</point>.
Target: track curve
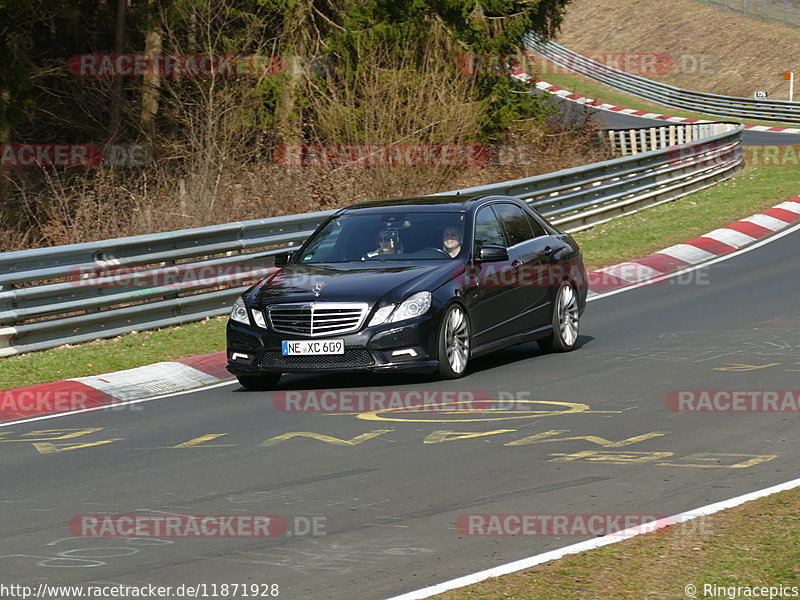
<point>390,490</point>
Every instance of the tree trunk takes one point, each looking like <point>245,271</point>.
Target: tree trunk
<point>151,86</point>
<point>288,113</point>
<point>5,138</point>
<point>116,99</point>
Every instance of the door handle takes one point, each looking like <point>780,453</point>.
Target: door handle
<point>516,262</point>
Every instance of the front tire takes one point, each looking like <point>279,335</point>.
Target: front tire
<point>259,383</point>
<point>454,343</point>
<point>565,319</point>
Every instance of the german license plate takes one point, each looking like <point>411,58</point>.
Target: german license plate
<point>311,347</point>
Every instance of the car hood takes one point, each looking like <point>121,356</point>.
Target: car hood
<point>352,281</point>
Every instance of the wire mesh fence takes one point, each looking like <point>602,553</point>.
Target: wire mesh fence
<point>786,12</point>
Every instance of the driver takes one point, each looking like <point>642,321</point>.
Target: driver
<point>388,243</point>
<point>451,240</point>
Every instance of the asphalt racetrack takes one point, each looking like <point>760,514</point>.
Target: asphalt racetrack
<point>614,120</point>
<point>372,499</point>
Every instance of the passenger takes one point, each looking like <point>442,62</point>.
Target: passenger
<point>451,240</point>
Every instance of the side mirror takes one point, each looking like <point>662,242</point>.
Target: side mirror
<point>282,259</point>
<point>492,254</point>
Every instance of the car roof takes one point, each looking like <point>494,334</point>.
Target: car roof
<point>449,202</point>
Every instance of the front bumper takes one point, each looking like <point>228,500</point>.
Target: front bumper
<point>407,346</point>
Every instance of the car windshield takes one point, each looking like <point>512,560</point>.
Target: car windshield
<point>387,236</point>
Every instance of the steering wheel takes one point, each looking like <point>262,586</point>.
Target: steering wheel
<point>447,254</point>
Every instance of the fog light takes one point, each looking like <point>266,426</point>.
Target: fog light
<point>237,355</point>
<point>406,352</point>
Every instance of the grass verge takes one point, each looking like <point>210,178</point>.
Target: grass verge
<point>584,86</point>
<point>756,544</point>
<point>752,190</point>
<point>113,354</point>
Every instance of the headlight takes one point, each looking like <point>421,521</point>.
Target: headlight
<point>413,306</point>
<point>381,315</point>
<point>239,312</point>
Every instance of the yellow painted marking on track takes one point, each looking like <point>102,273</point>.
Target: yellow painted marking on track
<point>328,439</point>
<point>740,368</point>
<point>547,436</point>
<point>48,448</point>
<point>200,441</point>
<point>49,435</point>
<point>702,460</point>
<point>555,409</point>
<point>616,458</point>
<point>447,435</point>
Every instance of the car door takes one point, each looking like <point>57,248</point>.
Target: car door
<point>491,295</point>
<point>533,270</point>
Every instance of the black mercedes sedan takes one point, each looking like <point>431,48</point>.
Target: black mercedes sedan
<point>420,284</point>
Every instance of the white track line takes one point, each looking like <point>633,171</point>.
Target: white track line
<point>527,563</point>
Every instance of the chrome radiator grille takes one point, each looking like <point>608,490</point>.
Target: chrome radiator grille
<point>317,318</point>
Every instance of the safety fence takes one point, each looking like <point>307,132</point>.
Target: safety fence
<point>726,106</point>
<point>81,292</point>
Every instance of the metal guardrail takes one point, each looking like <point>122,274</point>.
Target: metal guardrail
<point>81,292</point>
<point>661,93</point>
<point>580,198</point>
<point>77,293</point>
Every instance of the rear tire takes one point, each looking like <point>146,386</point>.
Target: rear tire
<point>454,343</point>
<point>259,383</point>
<point>565,320</point>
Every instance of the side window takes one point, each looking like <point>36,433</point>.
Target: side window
<point>538,228</point>
<point>487,229</point>
<point>515,221</point>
